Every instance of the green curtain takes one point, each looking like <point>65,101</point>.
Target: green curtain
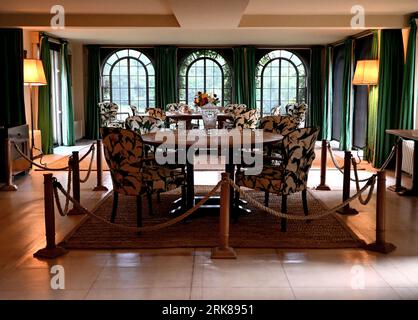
<point>316,109</point>
<point>93,92</point>
<point>407,105</point>
<point>369,151</point>
<point>244,76</point>
<point>67,98</point>
<point>390,88</point>
<point>12,110</point>
<point>327,102</point>
<point>44,101</point>
<point>345,129</point>
<point>165,75</point>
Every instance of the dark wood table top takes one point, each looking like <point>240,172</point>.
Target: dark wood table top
<point>211,138</point>
<point>406,134</point>
<point>193,116</point>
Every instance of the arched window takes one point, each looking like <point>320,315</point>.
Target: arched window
<point>206,71</point>
<point>128,78</point>
<point>281,79</point>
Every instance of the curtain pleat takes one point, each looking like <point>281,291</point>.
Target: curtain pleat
<point>44,101</point>
<point>390,88</point>
<point>316,112</point>
<point>12,110</point>
<point>369,152</point>
<point>67,98</point>
<point>93,93</point>
<point>165,76</point>
<point>345,128</point>
<point>244,76</point>
<point>407,105</point>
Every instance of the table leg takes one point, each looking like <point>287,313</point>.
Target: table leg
<point>398,170</point>
<point>190,183</point>
<point>414,190</point>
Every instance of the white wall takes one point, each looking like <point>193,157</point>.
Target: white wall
<point>77,72</point>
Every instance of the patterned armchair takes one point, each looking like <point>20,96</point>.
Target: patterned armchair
<point>279,124</point>
<point>134,110</point>
<point>278,111</point>
<point>247,120</point>
<point>156,113</point>
<point>123,150</point>
<point>235,109</point>
<point>143,124</point>
<point>291,175</point>
<point>108,112</point>
<point>174,107</point>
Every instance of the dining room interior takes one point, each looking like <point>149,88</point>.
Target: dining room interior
<point>209,150</point>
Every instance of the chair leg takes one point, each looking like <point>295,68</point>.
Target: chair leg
<point>115,206</point>
<point>158,197</point>
<point>139,211</point>
<point>283,221</point>
<point>149,198</point>
<point>266,199</point>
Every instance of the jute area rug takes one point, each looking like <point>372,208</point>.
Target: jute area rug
<point>256,230</point>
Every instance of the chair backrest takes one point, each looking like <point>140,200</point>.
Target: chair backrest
<point>123,151</point>
<point>134,110</point>
<point>156,113</point>
<point>275,111</point>
<point>108,112</point>
<point>247,120</point>
<point>173,107</point>
<point>235,109</point>
<point>279,124</point>
<point>143,124</point>
<point>299,153</point>
<point>299,112</point>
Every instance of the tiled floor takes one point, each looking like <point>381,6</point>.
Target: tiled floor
<point>190,273</point>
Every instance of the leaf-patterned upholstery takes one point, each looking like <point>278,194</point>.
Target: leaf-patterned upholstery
<point>235,109</point>
<point>108,112</point>
<point>143,124</point>
<point>123,150</point>
<point>247,120</point>
<point>156,113</point>
<point>297,111</point>
<point>175,107</point>
<point>134,110</point>
<point>292,175</point>
<point>279,124</point>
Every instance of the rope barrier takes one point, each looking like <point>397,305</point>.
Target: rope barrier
<point>369,196</point>
<point>57,185</point>
<point>295,217</point>
<point>90,165</point>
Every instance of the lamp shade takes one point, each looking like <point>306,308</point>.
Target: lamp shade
<point>367,72</point>
<point>33,71</point>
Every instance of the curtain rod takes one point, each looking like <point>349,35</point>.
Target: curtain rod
<point>355,36</point>
<point>210,47</point>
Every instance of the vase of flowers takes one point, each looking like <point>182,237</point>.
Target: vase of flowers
<point>205,99</point>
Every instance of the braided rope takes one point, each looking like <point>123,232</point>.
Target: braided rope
<point>64,212</point>
<point>369,196</point>
<point>175,220</point>
<point>88,152</point>
<point>35,164</point>
<point>90,165</point>
<point>295,217</point>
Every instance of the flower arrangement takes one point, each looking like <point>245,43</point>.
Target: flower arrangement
<point>203,98</point>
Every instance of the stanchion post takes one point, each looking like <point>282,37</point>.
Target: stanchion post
<point>51,250</point>
<point>347,210</point>
<point>75,163</point>
<point>99,150</point>
<point>381,245</point>
<point>224,251</point>
<point>398,169</point>
<point>9,186</point>
<point>322,185</point>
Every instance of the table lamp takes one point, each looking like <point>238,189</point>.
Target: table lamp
<point>33,75</point>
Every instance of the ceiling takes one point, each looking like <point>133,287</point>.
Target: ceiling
<point>205,22</point>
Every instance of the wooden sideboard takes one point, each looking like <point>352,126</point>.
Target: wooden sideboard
<point>20,136</point>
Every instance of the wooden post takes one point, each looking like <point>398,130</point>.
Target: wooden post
<point>398,169</point>
<point>51,250</point>
<point>381,245</point>
<point>75,163</point>
<point>347,210</point>
<point>322,185</point>
<point>99,150</point>
<point>224,251</point>
<point>9,186</point>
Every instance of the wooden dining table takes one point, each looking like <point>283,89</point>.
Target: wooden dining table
<point>204,140</point>
<point>188,117</point>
